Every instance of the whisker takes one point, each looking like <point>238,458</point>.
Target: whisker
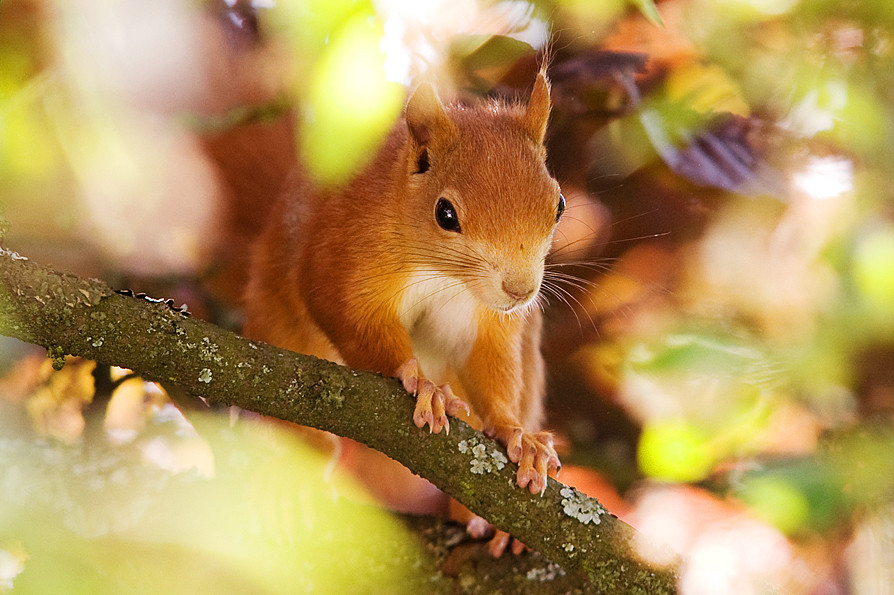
<point>632,217</point>
<point>581,221</point>
<point>567,297</point>
<point>584,240</point>
<point>573,280</point>
<point>556,293</point>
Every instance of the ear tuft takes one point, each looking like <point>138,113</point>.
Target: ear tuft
<point>426,119</point>
<point>537,114</point>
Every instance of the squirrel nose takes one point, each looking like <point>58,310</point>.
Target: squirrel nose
<point>518,293</point>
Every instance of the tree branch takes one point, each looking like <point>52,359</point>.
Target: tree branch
<point>67,314</point>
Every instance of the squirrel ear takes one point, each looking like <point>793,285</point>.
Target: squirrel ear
<point>537,114</point>
<point>426,118</point>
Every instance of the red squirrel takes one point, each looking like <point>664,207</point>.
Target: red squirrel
<point>427,266</point>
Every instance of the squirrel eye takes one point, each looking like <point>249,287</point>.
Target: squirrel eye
<point>561,208</point>
<point>445,215</point>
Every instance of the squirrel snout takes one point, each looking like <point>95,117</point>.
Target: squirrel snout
<point>519,292</point>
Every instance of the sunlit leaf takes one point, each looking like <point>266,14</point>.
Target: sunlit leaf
<point>687,353</point>
<point>873,271</point>
<point>489,56</point>
<point>777,501</point>
<point>853,472</point>
<point>863,122</point>
<point>674,450</point>
<point>755,9</point>
<point>593,17</point>
<point>28,149</point>
<point>98,518</point>
<point>308,25</point>
<point>350,106</point>
<point>705,89</point>
<point>703,398</point>
<point>649,10</point>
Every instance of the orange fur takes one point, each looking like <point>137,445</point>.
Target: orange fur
<point>365,274</point>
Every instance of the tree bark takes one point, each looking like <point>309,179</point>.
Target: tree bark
<point>70,315</point>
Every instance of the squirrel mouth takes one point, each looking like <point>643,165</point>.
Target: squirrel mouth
<point>520,305</point>
<point>506,300</point>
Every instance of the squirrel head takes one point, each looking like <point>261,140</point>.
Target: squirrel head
<point>480,194</point>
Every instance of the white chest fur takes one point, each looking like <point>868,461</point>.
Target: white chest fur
<point>439,314</point>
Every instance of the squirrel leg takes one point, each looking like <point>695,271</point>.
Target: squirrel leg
<point>507,394</point>
<point>433,403</point>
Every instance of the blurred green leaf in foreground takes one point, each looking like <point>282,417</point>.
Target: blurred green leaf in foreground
<point>252,510</point>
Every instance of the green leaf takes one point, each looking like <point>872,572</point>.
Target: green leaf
<point>650,11</point>
<point>675,450</point>
<point>350,106</point>
<point>266,512</point>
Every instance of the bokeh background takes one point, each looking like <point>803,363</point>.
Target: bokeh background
<point>720,318</point>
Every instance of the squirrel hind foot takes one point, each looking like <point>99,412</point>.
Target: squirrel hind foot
<point>499,542</point>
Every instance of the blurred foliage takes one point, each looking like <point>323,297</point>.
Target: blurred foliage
<point>248,507</point>
<point>347,105</point>
<point>729,323</point>
<point>814,253</point>
<point>816,494</point>
<point>761,365</point>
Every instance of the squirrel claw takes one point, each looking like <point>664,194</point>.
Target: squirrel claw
<point>535,454</point>
<point>454,404</point>
<point>433,402</point>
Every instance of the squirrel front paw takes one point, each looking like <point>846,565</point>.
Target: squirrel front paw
<point>433,403</point>
<point>534,452</point>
